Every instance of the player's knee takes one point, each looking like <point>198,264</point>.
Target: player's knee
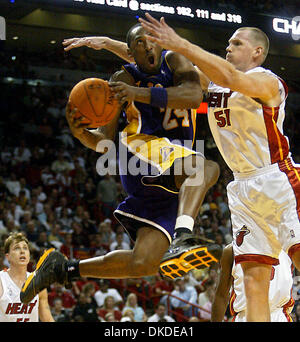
<point>256,284</point>
<point>211,171</point>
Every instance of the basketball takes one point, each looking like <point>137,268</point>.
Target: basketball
<point>95,101</point>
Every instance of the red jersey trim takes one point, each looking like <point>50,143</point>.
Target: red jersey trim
<point>262,259</point>
<point>293,175</point>
<point>278,144</point>
<point>293,249</point>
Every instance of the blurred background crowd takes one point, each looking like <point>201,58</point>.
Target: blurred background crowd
<point>50,191</point>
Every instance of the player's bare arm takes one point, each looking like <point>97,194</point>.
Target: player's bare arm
<point>225,280</point>
<point>185,94</point>
<point>216,69</point>
<point>44,309</point>
<point>98,43</point>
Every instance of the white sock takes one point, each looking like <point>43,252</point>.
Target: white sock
<point>184,221</point>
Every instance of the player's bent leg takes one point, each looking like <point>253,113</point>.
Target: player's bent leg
<point>256,284</point>
<point>188,251</point>
<point>194,187</point>
<point>143,260</point>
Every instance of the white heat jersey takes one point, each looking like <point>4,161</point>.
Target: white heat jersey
<point>280,292</point>
<point>248,135</point>
<point>11,307</point>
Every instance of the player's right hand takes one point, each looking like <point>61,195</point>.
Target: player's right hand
<point>96,43</point>
<point>75,121</point>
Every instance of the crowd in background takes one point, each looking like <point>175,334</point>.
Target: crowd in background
<point>50,190</point>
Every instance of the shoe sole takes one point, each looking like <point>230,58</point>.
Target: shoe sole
<point>31,278</point>
<point>177,267</point>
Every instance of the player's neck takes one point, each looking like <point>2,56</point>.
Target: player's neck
<point>18,274</point>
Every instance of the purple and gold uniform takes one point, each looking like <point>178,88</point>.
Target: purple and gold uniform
<point>153,139</point>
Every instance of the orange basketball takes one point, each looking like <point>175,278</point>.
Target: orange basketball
<point>95,101</point>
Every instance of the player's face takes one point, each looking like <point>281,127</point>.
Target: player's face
<point>19,254</point>
<point>240,50</point>
<point>146,54</point>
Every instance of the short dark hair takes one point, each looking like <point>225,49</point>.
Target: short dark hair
<point>258,36</point>
<point>129,33</point>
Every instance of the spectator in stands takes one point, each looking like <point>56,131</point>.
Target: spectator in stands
<point>206,299</point>
<point>107,192</point>
<point>108,235</point>
<point>67,247</point>
<point>142,288</point>
<point>61,164</point>
<point>132,304</point>
<point>161,288</point>
<point>65,219</point>
<point>89,290</point>
<point>89,194</point>
<point>66,296</point>
<point>54,238</point>
<point>120,229</point>
<point>128,316</point>
<point>84,309</point>
<point>119,243</point>
<point>105,291</point>
<point>88,225</point>
<point>184,296</point>
<point>22,153</point>
<point>212,232</point>
<point>42,242</point>
<point>13,184</point>
<point>109,306</point>
<point>59,314</point>
<point>98,247</point>
<point>80,238</point>
<point>79,174</point>
<point>160,314</point>
<point>31,230</point>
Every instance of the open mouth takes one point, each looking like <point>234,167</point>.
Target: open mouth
<point>151,60</point>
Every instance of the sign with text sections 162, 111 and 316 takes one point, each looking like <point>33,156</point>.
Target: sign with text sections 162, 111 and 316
<point>180,11</point>
<point>288,27</point>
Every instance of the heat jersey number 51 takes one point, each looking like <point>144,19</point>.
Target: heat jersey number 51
<point>223,117</point>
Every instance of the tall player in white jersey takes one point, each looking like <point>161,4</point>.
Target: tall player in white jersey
<point>11,280</point>
<point>231,277</point>
<point>246,115</point>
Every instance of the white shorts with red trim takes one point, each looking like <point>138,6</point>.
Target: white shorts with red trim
<point>265,212</point>
<point>278,315</point>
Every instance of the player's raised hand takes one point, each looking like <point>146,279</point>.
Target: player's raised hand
<point>75,121</point>
<point>96,43</point>
<point>160,32</point>
<point>123,92</point>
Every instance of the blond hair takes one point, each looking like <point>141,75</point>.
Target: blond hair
<point>14,237</point>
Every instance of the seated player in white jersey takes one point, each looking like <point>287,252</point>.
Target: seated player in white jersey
<point>231,278</point>
<point>246,114</point>
<point>11,280</point>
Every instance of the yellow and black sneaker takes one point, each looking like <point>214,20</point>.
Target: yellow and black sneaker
<point>49,269</point>
<point>188,252</point>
